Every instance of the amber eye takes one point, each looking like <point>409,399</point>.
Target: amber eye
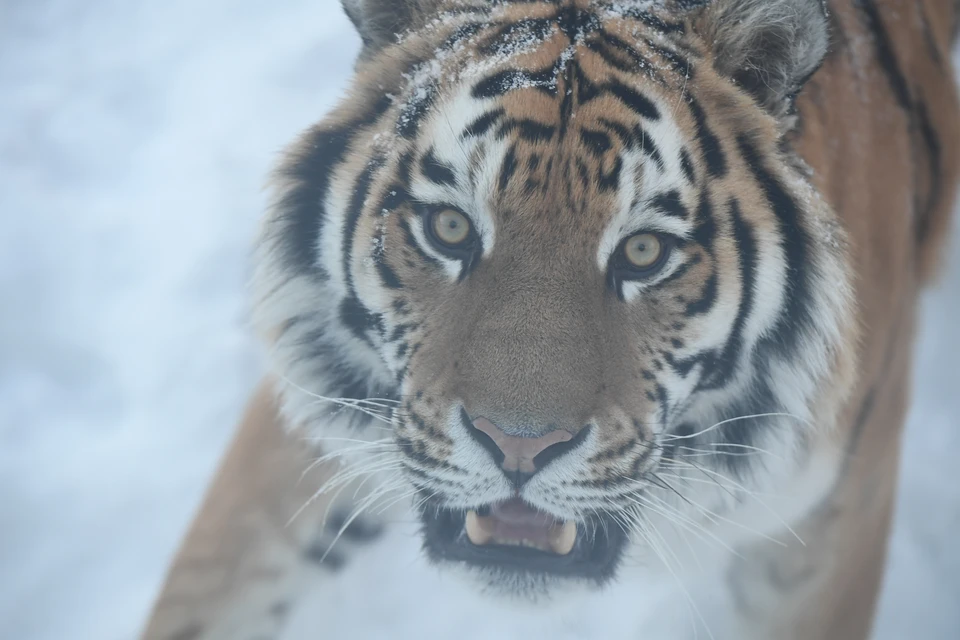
<point>643,251</point>
<point>450,227</point>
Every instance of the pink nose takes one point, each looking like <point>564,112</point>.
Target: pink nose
<point>518,452</point>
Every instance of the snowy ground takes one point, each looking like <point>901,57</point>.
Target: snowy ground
<point>134,142</point>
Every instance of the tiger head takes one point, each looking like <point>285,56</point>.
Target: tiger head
<point>561,264</point>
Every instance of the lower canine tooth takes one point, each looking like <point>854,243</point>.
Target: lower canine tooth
<point>476,531</point>
<point>563,540</point>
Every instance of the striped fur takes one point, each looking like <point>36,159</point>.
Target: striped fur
<point>802,229</point>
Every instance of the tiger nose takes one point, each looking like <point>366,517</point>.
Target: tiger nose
<point>521,457</point>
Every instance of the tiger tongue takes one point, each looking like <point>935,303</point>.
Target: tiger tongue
<point>514,523</point>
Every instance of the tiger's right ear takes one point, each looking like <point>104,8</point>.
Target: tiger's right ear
<point>769,47</point>
<point>380,22</point>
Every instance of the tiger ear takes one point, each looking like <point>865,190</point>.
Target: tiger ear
<point>768,47</point>
<point>379,22</point>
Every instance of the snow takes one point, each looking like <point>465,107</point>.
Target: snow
<point>135,140</point>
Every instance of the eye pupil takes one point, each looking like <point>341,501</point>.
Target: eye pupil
<point>643,251</point>
<point>451,227</point>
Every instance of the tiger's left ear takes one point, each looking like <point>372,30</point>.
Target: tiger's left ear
<point>379,22</point>
<point>769,47</point>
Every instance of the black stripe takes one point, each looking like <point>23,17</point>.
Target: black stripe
<point>610,180</point>
<point>931,140</point>
<point>396,195</point>
<point>885,52</point>
<point>437,172</point>
<point>682,270</point>
<point>303,207</point>
<point>623,133</point>
<point>415,110</point>
<point>707,298</point>
<point>575,23</point>
<point>669,204</point>
<point>653,21</point>
<point>529,130</point>
<point>915,109</point>
<point>509,167</point>
<point>709,144</point>
<point>387,274</point>
<point>506,39</point>
<point>481,125</point>
<point>361,189</point>
<point>596,142</point>
<point>620,54</point>
<point>638,103</point>
<point>795,242</point>
<point>928,36</point>
<point>358,318</point>
<point>462,33</point>
<point>353,314</point>
<point>609,55</point>
<point>706,231</point>
<point>686,165</point>
<point>746,247</point>
<point>680,64</point>
<point>648,146</point>
<point>505,81</point>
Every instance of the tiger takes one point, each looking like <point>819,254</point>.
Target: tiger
<point>592,288</point>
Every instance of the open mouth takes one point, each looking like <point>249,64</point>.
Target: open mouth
<point>513,536</point>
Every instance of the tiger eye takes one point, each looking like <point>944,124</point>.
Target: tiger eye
<point>451,227</point>
<point>643,250</point>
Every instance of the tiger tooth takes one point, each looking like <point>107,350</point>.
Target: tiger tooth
<point>562,542</point>
<point>477,533</point>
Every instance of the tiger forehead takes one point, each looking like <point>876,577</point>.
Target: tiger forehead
<point>546,58</point>
<point>565,86</point>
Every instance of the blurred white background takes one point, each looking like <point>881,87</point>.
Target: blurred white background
<point>135,142</point>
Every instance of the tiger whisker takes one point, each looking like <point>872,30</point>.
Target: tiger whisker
<point>713,427</point>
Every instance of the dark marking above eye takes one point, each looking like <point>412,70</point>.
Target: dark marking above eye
<point>437,171</point>
<point>483,124</point>
<point>669,203</point>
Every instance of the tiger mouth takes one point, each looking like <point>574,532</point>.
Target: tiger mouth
<point>514,537</point>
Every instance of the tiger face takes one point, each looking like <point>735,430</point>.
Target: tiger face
<point>568,246</point>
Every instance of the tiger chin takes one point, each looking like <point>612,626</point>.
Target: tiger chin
<point>617,292</point>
